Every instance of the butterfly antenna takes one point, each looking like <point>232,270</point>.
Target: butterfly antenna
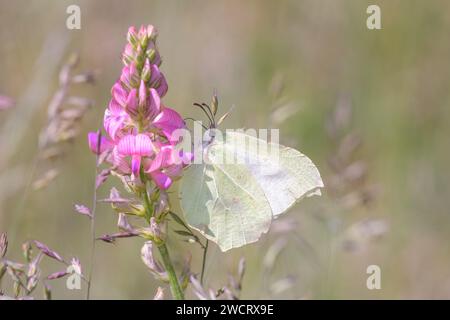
<point>211,120</point>
<point>195,120</point>
<point>210,112</point>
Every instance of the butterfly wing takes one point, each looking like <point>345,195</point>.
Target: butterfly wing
<point>233,197</point>
<point>224,201</point>
<point>284,174</point>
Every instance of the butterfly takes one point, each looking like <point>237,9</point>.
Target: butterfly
<point>233,203</point>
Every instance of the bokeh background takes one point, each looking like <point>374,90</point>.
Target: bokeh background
<point>370,107</point>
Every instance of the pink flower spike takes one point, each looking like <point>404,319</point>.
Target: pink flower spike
<point>168,121</point>
<point>105,144</point>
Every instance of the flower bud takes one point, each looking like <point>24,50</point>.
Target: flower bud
<point>132,36</point>
<point>159,294</point>
<point>151,54</point>
<point>32,282</point>
<point>151,263</point>
<point>137,210</point>
<point>146,71</point>
<point>123,223</point>
<point>132,103</point>
<point>139,58</point>
<point>142,97</point>
<point>156,230</point>
<point>152,233</point>
<point>162,204</point>
<point>143,36</point>
<point>152,33</point>
<point>47,251</point>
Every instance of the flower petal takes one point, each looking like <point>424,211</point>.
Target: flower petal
<point>144,146</point>
<point>131,145</point>
<point>119,161</point>
<point>158,81</point>
<point>168,120</point>
<point>135,165</point>
<point>114,122</point>
<point>93,140</point>
<point>162,180</point>
<point>115,107</point>
<point>162,87</point>
<point>132,102</point>
<point>154,103</point>
<point>142,94</point>
<point>163,159</point>
<point>174,171</point>
<point>119,93</point>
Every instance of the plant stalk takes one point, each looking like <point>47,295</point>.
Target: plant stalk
<point>205,251</point>
<point>175,288</point>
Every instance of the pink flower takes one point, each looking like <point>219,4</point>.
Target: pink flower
<point>115,119</point>
<point>131,104</point>
<point>130,76</point>
<point>168,165</point>
<point>105,143</point>
<point>136,146</point>
<point>140,129</point>
<point>119,94</point>
<point>168,120</point>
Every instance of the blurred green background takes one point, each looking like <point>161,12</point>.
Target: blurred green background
<point>396,80</point>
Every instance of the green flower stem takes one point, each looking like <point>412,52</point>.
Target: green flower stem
<point>175,288</point>
<point>148,207</point>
